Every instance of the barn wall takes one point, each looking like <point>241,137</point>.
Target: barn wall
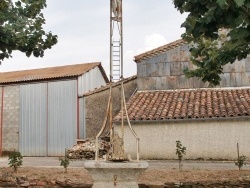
<point>165,71</point>
<point>96,106</point>
<point>207,140</point>
<point>39,119</point>
<point>10,121</point>
<point>90,81</point>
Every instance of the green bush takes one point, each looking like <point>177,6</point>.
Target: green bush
<point>15,160</point>
<point>241,161</point>
<point>64,163</point>
<point>180,152</point>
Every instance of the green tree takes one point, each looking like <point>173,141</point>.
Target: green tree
<point>21,28</point>
<point>204,23</point>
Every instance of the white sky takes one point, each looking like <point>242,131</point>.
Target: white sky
<point>83,33</point>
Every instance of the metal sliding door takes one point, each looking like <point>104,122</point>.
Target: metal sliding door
<point>33,120</point>
<point>62,116</point>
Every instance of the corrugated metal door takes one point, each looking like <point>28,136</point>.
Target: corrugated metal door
<point>62,116</point>
<point>33,120</point>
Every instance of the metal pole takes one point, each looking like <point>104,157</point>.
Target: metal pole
<point>121,42</point>
<point>111,45</point>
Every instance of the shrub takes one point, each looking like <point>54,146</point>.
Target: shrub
<point>180,152</point>
<point>15,160</point>
<point>64,163</point>
<point>241,161</point>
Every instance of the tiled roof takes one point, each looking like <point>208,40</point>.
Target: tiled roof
<point>158,50</point>
<point>108,85</point>
<point>48,73</point>
<point>186,104</point>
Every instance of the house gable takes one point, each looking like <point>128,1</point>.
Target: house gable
<point>162,69</point>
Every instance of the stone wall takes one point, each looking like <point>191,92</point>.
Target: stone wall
<point>96,105</point>
<point>10,121</point>
<point>219,184</point>
<point>165,71</point>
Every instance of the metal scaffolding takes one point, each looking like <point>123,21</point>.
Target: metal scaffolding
<point>116,152</point>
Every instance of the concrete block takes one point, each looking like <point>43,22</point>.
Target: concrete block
<point>185,55</point>
<point>183,83</point>
<point>161,83</point>
<point>198,83</point>
<point>247,63</point>
<point>171,82</point>
<point>240,66</point>
<point>183,65</point>
<point>174,54</point>
<point>152,70</point>
<point>162,57</point>
<point>235,79</point>
<point>185,47</point>
<point>164,69</point>
<point>175,68</point>
<point>245,79</point>
<point>141,70</point>
<point>225,80</point>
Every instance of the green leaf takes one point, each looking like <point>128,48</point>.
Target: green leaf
<point>239,3</point>
<point>23,28</point>
<point>222,3</point>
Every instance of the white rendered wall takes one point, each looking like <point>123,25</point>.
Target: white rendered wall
<point>207,140</point>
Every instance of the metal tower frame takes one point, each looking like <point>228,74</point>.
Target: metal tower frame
<point>116,152</point>
<point>116,40</point>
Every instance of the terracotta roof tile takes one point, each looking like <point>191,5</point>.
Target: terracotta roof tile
<point>186,104</point>
<point>158,50</point>
<point>48,73</point>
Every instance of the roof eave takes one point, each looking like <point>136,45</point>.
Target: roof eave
<point>189,120</point>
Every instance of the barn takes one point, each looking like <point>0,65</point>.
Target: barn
<point>40,108</point>
<point>169,107</point>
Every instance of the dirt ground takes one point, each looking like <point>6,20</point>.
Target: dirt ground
<point>149,177</point>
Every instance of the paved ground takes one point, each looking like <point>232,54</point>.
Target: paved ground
<point>153,164</point>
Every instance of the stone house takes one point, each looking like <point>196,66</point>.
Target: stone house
<point>40,108</point>
<point>169,107</point>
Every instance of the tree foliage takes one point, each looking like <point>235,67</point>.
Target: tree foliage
<point>204,24</point>
<point>21,28</point>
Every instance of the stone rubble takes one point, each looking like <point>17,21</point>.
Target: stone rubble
<point>85,149</point>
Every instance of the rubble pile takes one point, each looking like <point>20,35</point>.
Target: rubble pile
<point>85,149</point>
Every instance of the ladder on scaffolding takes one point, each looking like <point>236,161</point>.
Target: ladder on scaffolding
<point>116,60</point>
<point>116,41</point>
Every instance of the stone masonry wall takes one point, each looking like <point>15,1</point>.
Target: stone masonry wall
<point>10,123</point>
<point>96,106</point>
<point>221,184</point>
<point>165,71</point>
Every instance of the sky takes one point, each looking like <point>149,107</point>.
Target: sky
<point>83,33</point>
